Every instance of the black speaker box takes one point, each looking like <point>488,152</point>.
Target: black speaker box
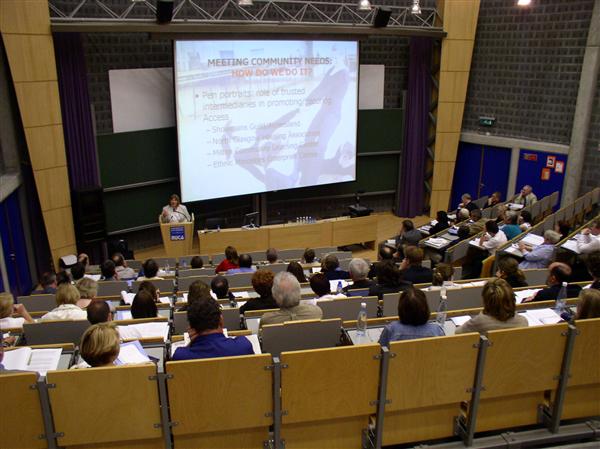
<point>88,214</point>
<point>382,17</point>
<point>164,11</point>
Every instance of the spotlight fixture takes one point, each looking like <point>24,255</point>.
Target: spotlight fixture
<point>245,2</point>
<point>364,5</point>
<point>415,8</point>
<point>523,2</point>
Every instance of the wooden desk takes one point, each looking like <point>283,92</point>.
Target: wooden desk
<point>334,232</point>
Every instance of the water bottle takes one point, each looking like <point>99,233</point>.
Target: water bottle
<point>361,320</point>
<point>561,299</point>
<point>167,268</point>
<point>441,311</point>
<point>218,228</point>
<point>338,290</point>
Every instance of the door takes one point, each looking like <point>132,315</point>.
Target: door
<point>543,171</point>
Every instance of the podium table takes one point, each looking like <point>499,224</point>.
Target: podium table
<point>177,237</point>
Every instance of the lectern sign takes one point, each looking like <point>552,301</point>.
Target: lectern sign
<point>177,233</point>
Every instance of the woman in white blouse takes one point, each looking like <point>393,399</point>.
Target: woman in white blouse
<point>67,296</point>
<point>8,308</point>
<point>174,212</point>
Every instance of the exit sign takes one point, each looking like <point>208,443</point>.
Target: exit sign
<point>487,121</point>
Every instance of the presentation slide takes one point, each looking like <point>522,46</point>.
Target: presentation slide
<point>257,116</point>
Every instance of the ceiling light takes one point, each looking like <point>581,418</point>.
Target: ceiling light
<point>364,5</point>
<point>245,2</point>
<point>524,2</point>
<point>415,8</point>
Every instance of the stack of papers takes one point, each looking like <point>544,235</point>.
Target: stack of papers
<point>475,242</point>
<point>127,297</point>
<point>144,330</point>
<point>460,320</point>
<point>437,242</point>
<point>243,294</point>
<point>27,359</point>
<point>539,317</point>
<point>532,239</point>
<point>521,295</point>
<point>94,277</point>
<point>123,315</point>
<point>571,245</point>
<point>132,353</point>
<point>513,206</point>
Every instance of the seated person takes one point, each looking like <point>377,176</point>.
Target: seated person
<point>476,223</point>
<point>83,259</point>
<point>245,265</point>
<point>359,270</point>
<point>150,288</point>
<point>511,228</point>
<point>385,255</point>
<point>463,233</point>
<point>206,334</point>
<point>499,310</point>
<point>467,203</point>
<point>525,220</point>
<point>8,308</point>
<point>526,197</point>
<point>150,271</point>
<point>77,271</point>
<point>99,312</point>
<point>330,267</point>
<point>308,258</point>
<point>442,277</point>
<point>442,223</point>
<point>493,238</point>
<point>409,236</point>
<point>47,284</point>
<point>144,305</point>
<point>88,290</point>
<point>174,212</point>
<point>320,285</point>
<point>389,280</point>
<point>588,305</point>
<point>495,198</point>
<point>230,261</point>
<point>262,283</point>
<point>67,296</point>
<point>589,239</point>
<point>462,215</point>
<point>413,314</point>
<point>196,262</point>
<point>563,228</point>
<point>539,256</point>
<point>121,268</point>
<point>63,277</point>
<point>508,269</point>
<point>220,287</point>
<point>286,292</point>
<point>296,269</point>
<point>412,269</point>
<point>593,265</point>
<point>272,256</point>
<point>100,345</point>
<point>198,290</point>
<point>109,271</point>
<point>558,273</point>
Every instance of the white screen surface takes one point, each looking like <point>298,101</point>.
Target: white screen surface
<point>256,116</point>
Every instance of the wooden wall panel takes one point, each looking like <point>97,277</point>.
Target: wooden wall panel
<point>31,57</point>
<point>53,188</point>
<point>59,226</point>
<point>46,146</point>
<point>455,86</point>
<point>460,18</point>
<point>450,117</point>
<point>443,174</point>
<point>39,103</point>
<point>445,146</point>
<point>24,17</point>
<point>456,55</point>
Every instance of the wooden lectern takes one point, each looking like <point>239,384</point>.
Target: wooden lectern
<point>177,237</point>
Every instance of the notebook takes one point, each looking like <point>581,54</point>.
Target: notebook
<point>27,359</point>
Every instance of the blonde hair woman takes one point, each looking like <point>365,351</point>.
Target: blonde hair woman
<point>499,310</point>
<point>100,345</point>
<point>88,290</point>
<point>589,304</point>
<point>66,299</point>
<point>8,308</point>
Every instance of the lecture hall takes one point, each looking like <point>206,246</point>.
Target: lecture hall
<point>286,224</point>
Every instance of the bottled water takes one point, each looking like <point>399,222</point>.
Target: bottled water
<point>441,311</point>
<point>361,320</point>
<point>339,287</point>
<point>561,299</point>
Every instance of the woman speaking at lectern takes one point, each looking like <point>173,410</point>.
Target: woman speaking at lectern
<point>174,212</point>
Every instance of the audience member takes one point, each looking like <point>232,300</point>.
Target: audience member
<point>322,288</point>
<point>100,345</point>
<point>66,299</point>
<point>476,223</point>
<point>330,267</point>
<point>121,268</point>
<point>558,273</point>
<point>287,294</point>
<point>563,228</point>
<point>442,277</point>
<point>493,238</point>
<point>196,262</point>
<point>511,229</point>
<point>206,334</point>
<point>467,203</point>
<point>442,223</point>
<point>150,268</point>
<point>231,260</point>
<point>588,305</point>
<point>77,271</point>
<point>98,312</point>
<point>508,269</point>
<point>262,283</point>
<point>389,280</point>
<point>409,236</point>
<point>526,197</point>
<point>88,290</point>
<point>309,256</point>
<point>108,270</point>
<point>589,239</point>
<point>385,255</point>
<point>462,215</point>
<point>525,220</point>
<point>144,305</point>
<point>150,288</point>
<point>83,259</point>
<point>539,256</point>
<point>593,266</point>
<point>499,310</point>
<point>412,269</point>
<point>272,256</point>
<point>494,199</point>
<point>245,265</point>
<point>296,269</point>
<point>220,287</point>
<point>359,271</point>
<point>413,322</point>
<point>463,233</point>
<point>63,277</point>
<point>198,290</point>
<point>8,308</point>
<point>47,284</point>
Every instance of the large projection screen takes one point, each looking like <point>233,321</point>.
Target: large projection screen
<point>257,116</point>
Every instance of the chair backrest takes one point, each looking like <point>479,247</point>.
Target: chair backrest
<point>201,422</point>
<point>38,303</point>
<point>258,256</point>
<point>185,261</point>
<point>231,318</point>
<point>536,276</point>
<point>458,251</point>
<point>348,308</point>
<point>164,285</point>
<point>196,272</point>
<point>291,254</point>
<point>163,262</point>
<point>49,332</point>
<point>390,304</point>
<point>345,264</point>
<point>553,199</point>
<point>183,284</point>
<point>134,264</point>
<point>480,202</point>
<point>180,322</point>
<point>274,267</point>
<point>538,208</point>
<point>112,288</point>
<point>22,422</point>
<point>548,224</point>
<point>340,254</point>
<point>487,266</point>
<point>91,392</point>
<point>322,250</point>
<point>298,335</point>
<point>217,259</point>
<point>239,280</point>
<point>357,292</point>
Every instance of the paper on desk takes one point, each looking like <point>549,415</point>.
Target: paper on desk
<point>532,239</point>
<point>475,284</point>
<point>513,206</point>
<point>521,295</point>
<point>460,320</point>
<point>94,277</point>
<point>571,245</point>
<point>124,315</point>
<point>181,343</point>
<point>132,353</point>
<point>333,284</point>
<point>391,242</point>
<point>255,343</point>
<point>164,300</point>
<point>437,242</point>
<point>127,297</point>
<point>243,294</point>
<point>538,317</point>
<point>144,330</point>
<point>27,359</point>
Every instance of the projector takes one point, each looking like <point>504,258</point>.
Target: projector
<point>357,210</point>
